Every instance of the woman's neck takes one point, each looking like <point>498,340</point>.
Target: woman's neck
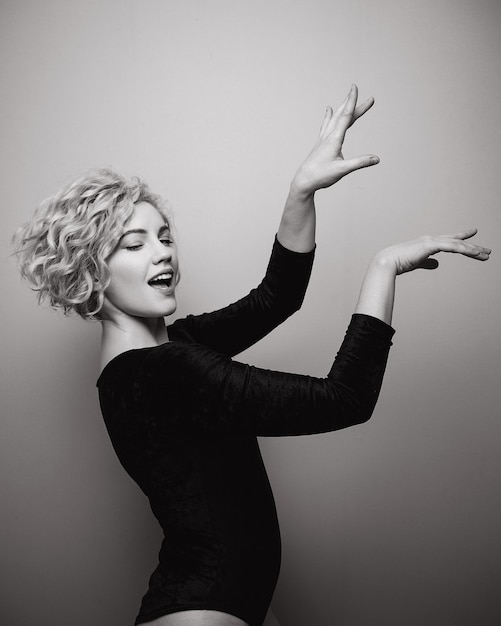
<point>130,333</point>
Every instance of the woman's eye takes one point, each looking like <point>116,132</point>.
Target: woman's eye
<point>135,247</point>
<point>166,241</point>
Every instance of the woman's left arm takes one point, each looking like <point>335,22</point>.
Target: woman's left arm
<point>324,166</point>
<point>237,326</point>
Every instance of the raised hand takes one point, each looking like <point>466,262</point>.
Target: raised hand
<point>378,288</point>
<point>325,164</point>
<point>411,255</point>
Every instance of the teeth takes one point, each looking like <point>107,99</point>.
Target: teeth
<point>166,276</point>
<point>163,277</point>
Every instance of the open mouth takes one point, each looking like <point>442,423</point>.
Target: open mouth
<point>162,281</point>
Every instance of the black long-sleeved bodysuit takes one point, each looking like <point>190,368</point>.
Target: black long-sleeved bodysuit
<point>183,418</point>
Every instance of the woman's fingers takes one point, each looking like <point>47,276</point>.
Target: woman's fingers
<point>463,234</point>
<point>348,103</point>
<point>419,253</point>
<point>351,100</point>
<point>457,244</point>
<point>349,111</point>
<point>325,164</point>
<point>474,252</point>
<point>337,122</point>
<point>343,118</point>
<point>362,108</point>
<point>357,163</point>
<point>327,118</point>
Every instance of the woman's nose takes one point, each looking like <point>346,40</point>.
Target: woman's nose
<point>162,253</point>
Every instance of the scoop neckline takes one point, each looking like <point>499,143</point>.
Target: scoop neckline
<point>111,362</point>
<point>116,357</point>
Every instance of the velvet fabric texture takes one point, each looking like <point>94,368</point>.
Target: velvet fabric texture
<point>183,418</point>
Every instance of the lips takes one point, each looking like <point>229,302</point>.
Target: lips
<point>163,280</point>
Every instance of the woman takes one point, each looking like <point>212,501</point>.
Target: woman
<point>182,415</point>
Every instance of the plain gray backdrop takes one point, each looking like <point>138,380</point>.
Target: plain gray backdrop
<point>215,104</point>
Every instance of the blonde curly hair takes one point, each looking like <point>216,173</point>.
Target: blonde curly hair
<point>62,251</point>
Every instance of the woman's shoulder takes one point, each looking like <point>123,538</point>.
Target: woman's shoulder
<point>127,367</point>
<point>121,365</point>
<point>118,360</point>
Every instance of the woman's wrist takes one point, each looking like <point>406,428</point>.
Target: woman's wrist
<point>300,192</point>
<point>384,264</point>
<point>297,226</point>
<point>378,289</point>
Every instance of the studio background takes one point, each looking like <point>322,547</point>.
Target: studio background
<point>215,104</point>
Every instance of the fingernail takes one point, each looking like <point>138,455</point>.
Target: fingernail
<point>374,160</point>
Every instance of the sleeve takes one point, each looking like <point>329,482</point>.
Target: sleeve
<point>208,393</point>
<point>234,328</point>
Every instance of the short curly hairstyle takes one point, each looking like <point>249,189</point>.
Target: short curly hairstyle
<point>62,251</point>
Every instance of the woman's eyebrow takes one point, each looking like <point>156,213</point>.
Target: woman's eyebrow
<point>133,231</point>
<point>142,231</point>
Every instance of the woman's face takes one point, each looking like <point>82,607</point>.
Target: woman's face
<point>143,267</point>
